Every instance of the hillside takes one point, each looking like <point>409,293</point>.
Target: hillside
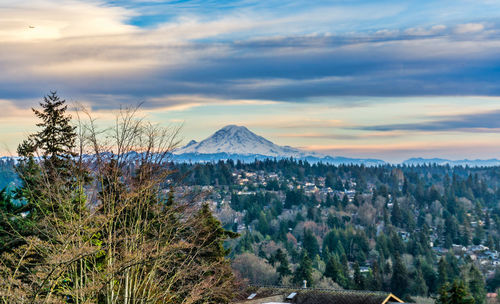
<point>358,226</point>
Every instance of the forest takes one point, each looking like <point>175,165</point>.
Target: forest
<point>406,229</point>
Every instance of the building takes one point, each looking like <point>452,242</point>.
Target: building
<point>281,295</point>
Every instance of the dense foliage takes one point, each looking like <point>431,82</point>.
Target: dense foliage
<point>406,229</point>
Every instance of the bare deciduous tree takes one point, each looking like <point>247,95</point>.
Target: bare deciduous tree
<point>115,235</point>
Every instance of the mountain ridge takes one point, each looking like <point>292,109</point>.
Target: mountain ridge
<point>239,143</point>
<point>460,162</point>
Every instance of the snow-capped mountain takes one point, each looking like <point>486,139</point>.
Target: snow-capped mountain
<point>234,139</point>
<point>239,143</point>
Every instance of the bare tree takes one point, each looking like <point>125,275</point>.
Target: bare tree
<point>116,235</point>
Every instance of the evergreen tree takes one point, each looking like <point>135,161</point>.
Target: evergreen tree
<point>244,243</point>
<point>304,271</point>
<point>332,222</point>
<point>387,221</point>
<point>339,249</point>
<point>263,224</point>
<point>359,280</point>
<point>377,279</point>
<point>396,215</point>
<point>477,285</point>
<point>442,272</point>
<point>284,267</point>
<point>336,201</point>
<point>399,279</point>
<point>430,276</point>
<point>310,243</point>
<point>419,285</point>
<point>210,236</point>
<point>345,265</point>
<point>212,233</point>
<point>405,187</point>
<point>333,270</point>
<point>330,180</point>
<point>455,293</point>
<point>55,141</point>
<point>345,201</point>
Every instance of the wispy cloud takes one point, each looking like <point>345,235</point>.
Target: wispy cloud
<point>486,122</point>
<point>469,28</point>
<point>339,136</point>
<point>90,49</point>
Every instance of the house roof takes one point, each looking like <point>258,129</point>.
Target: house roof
<point>344,297</point>
<point>325,296</point>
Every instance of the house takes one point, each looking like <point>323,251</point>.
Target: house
<point>491,297</point>
<point>288,295</point>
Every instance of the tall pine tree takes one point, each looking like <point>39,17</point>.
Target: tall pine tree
<point>399,279</point>
<point>284,267</point>
<point>455,293</point>
<point>477,285</point>
<point>304,271</point>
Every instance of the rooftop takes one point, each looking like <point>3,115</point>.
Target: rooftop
<point>273,294</point>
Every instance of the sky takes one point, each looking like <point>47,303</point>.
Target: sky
<point>381,79</point>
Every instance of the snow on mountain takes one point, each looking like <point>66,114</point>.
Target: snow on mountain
<point>192,142</point>
<point>234,139</point>
<point>14,159</point>
<point>239,143</point>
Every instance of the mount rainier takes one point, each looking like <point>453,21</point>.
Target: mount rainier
<point>239,143</point>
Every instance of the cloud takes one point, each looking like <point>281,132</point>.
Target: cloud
<point>469,28</point>
<point>486,122</point>
<point>43,20</point>
<point>245,51</point>
<point>421,31</point>
<point>338,136</point>
<point>10,112</point>
<point>184,102</point>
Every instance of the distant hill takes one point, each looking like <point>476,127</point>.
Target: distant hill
<point>464,162</point>
<point>239,143</point>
